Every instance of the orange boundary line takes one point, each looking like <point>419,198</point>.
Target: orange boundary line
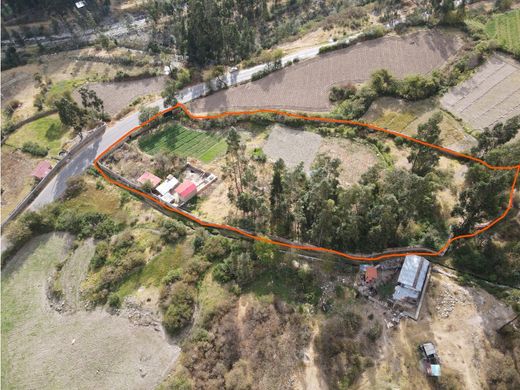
<point>317,119</point>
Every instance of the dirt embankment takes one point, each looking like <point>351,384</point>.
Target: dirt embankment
<point>42,348</point>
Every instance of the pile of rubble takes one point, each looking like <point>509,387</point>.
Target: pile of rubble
<point>446,303</point>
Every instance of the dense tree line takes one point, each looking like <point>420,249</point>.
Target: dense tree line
<point>385,209</point>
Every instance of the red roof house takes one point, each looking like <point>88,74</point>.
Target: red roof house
<point>186,190</point>
<point>370,274</point>
<point>147,176</point>
<point>42,169</point>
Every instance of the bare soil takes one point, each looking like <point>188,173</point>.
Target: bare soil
<point>356,157</point>
<point>492,95</point>
<point>42,348</point>
<point>306,86</point>
<point>460,321</point>
<point>292,146</point>
<point>16,177</point>
<point>118,95</point>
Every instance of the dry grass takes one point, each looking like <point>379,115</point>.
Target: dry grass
<point>16,179</point>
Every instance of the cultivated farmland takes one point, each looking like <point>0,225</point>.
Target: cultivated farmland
<point>505,29</point>
<point>306,86</point>
<point>184,143</point>
<point>492,95</point>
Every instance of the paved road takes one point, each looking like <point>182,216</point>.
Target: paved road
<point>81,161</point>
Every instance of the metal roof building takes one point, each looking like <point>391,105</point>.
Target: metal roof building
<point>411,278</point>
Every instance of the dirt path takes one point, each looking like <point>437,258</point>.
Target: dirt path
<point>311,379</point>
<point>82,350</point>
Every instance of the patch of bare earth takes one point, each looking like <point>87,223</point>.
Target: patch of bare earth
<point>45,349</point>
<point>306,86</point>
<point>118,95</point>
<point>356,158</point>
<point>293,146</point>
<point>16,177</point>
<point>460,321</point>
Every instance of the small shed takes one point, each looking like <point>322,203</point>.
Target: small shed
<point>42,169</point>
<point>186,190</point>
<point>370,274</point>
<point>147,176</point>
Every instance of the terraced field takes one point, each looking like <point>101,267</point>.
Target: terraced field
<point>505,29</point>
<point>184,142</point>
<point>492,95</point>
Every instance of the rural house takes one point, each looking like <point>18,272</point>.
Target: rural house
<point>165,187</point>
<point>42,169</point>
<point>412,278</point>
<point>186,190</point>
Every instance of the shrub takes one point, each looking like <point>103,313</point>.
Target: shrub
<point>11,106</point>
<point>179,312</point>
<point>340,93</point>
<point>216,248</point>
<point>374,332</point>
<point>34,149</point>
<point>113,300</point>
<point>75,186</point>
<point>147,112</point>
<point>173,275</point>
<point>259,155</point>
<point>172,230</point>
<point>417,87</point>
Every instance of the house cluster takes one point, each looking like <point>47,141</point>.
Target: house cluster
<point>177,192</point>
<point>409,284</point>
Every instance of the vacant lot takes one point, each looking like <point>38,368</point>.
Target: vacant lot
<point>505,29</point>
<point>292,146</point>
<point>404,117</point>
<point>47,132</point>
<point>16,179</point>
<point>64,68</point>
<point>465,338</point>
<point>492,95</point>
<point>44,349</point>
<point>183,142</point>
<point>356,157</point>
<point>306,86</point>
<point>118,95</point>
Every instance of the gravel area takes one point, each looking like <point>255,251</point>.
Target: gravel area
<point>492,95</point>
<point>292,146</point>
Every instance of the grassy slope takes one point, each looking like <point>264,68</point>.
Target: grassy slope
<point>47,132</point>
<point>505,28</point>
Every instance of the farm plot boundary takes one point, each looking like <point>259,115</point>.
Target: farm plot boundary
<point>356,257</point>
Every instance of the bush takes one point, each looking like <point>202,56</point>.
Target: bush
<point>259,155</point>
<point>34,149</point>
<point>374,332</point>
<point>11,106</point>
<point>340,93</point>
<point>172,230</point>
<point>216,248</point>
<point>147,112</point>
<point>179,312</point>
<point>114,301</point>
<point>417,87</point>
<point>75,186</point>
<point>173,275</point>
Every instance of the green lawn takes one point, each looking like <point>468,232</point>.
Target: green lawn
<point>47,132</point>
<point>505,28</point>
<point>183,142</point>
<point>152,273</point>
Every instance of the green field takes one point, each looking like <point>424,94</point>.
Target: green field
<point>47,132</point>
<point>184,143</point>
<point>505,28</point>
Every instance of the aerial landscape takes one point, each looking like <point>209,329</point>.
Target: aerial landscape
<point>252,194</point>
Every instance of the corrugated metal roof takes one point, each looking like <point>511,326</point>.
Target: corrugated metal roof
<point>413,273</point>
<point>167,185</point>
<point>403,292</point>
